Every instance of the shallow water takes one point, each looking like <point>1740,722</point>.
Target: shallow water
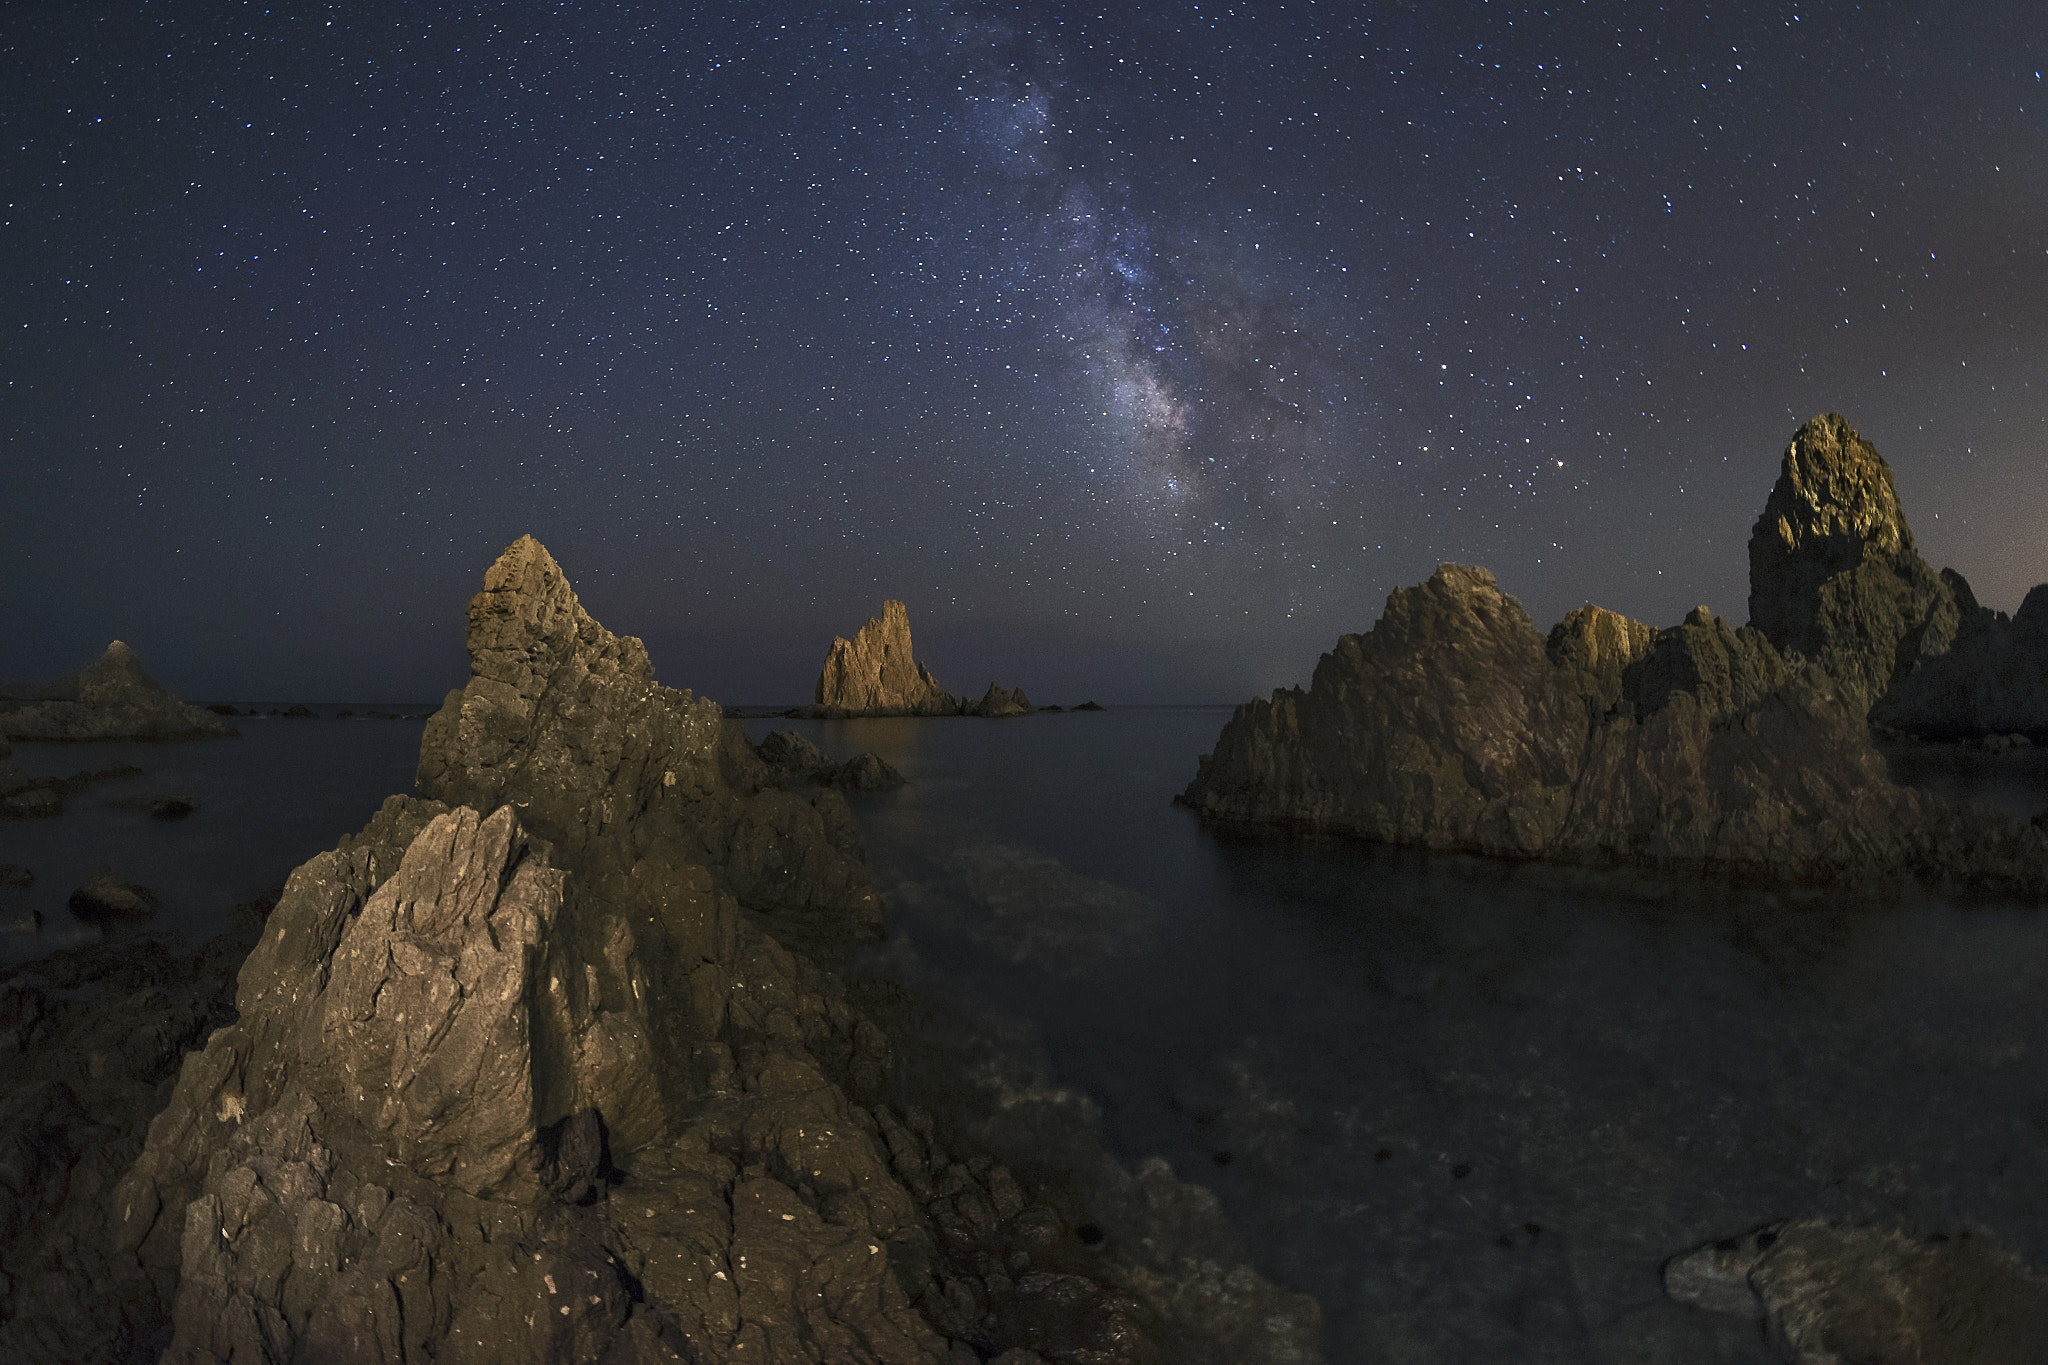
<point>284,791</point>
<point>1470,1108</point>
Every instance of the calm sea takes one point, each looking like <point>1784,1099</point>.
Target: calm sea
<point>1470,1108</point>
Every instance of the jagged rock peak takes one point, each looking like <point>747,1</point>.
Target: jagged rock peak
<point>527,623</point>
<point>1599,646</point>
<point>1834,489</point>
<point>1833,572</point>
<point>875,673</point>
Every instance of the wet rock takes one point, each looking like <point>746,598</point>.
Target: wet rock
<point>1830,1293</point>
<point>1453,724</point>
<point>107,896</point>
<point>110,698</point>
<point>794,759</point>
<point>875,674</point>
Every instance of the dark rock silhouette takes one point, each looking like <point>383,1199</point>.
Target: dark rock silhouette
<point>1454,725</point>
<point>1090,706</point>
<point>106,895</point>
<point>519,1072</point>
<point>1832,1293</point>
<point>110,698</point>
<point>1993,680</point>
<point>876,674</point>
<point>794,759</point>
<point>1000,701</point>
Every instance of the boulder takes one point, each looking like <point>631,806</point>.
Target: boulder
<point>1453,724</point>
<point>1828,1293</point>
<point>106,896</point>
<point>110,698</point>
<point>875,674</point>
<point>521,1073</point>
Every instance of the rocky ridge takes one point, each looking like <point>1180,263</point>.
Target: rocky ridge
<point>1453,724</point>
<point>527,1070</point>
<point>110,698</point>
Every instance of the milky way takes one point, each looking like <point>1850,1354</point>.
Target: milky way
<point>1141,351</point>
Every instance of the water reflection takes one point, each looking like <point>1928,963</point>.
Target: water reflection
<point>1472,1108</point>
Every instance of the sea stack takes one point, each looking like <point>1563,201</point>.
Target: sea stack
<point>1833,572</point>
<point>110,698</point>
<point>875,674</point>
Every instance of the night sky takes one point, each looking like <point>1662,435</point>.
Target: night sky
<point>1140,349</point>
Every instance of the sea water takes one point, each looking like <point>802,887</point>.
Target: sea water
<point>1471,1108</point>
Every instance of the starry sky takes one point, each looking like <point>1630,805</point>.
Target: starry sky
<point>1141,349</point>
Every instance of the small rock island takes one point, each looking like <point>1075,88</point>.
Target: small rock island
<point>1454,724</point>
<point>110,698</point>
<point>876,674</point>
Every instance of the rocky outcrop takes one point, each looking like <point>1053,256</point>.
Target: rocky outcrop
<point>528,1071</point>
<point>1993,680</point>
<point>1453,724</point>
<point>875,674</point>
<point>1827,1293</point>
<point>1833,572</point>
<point>795,761</point>
<point>1834,575</point>
<point>110,698</point>
<point>1000,701</point>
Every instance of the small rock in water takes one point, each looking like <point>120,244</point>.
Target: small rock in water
<point>172,807</point>
<point>14,874</point>
<point>37,803</point>
<point>107,896</point>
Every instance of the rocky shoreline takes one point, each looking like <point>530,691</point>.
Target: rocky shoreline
<point>550,1062</point>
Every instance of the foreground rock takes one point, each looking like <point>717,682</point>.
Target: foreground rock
<point>875,674</point>
<point>110,698</point>
<point>521,1073</point>
<point>1835,576</point>
<point>1453,724</point>
<point>1827,1294</point>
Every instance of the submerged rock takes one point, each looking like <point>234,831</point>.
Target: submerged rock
<point>1452,724</point>
<point>106,896</point>
<point>110,698</point>
<point>1828,1293</point>
<point>875,674</point>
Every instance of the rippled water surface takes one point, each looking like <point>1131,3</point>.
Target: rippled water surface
<point>1470,1108</point>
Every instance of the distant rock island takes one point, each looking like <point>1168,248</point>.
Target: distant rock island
<point>110,698</point>
<point>876,674</point>
<point>1454,724</point>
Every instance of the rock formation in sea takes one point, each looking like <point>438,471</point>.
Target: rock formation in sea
<point>875,674</point>
<point>110,698</point>
<point>1454,724</point>
<point>1000,701</point>
<point>1835,576</point>
<point>1827,1293</point>
<point>529,1070</point>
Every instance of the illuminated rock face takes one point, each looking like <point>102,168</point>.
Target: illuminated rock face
<point>875,673</point>
<point>524,1071</point>
<point>110,698</point>
<point>1833,572</point>
<point>1453,724</point>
